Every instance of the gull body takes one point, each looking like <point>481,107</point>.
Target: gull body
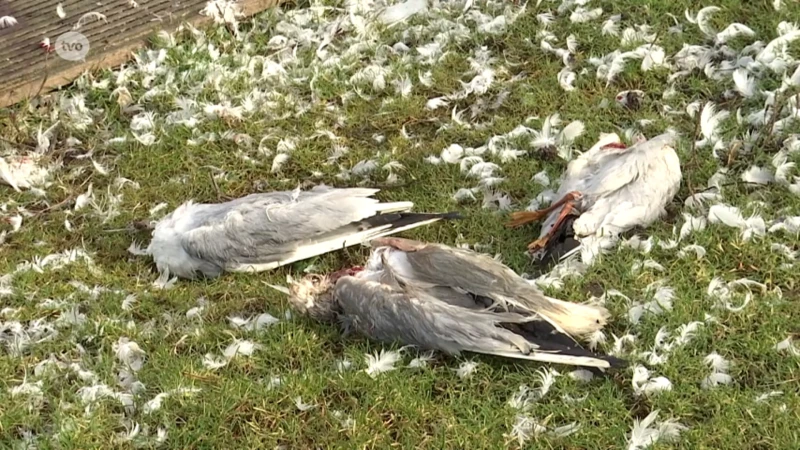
<point>438,297</point>
<point>606,191</point>
<point>264,231</point>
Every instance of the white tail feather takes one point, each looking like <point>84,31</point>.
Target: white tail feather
<point>577,319</point>
<point>585,361</point>
<point>384,208</point>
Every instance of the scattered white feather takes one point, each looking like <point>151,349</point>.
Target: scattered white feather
<point>7,22</point>
<point>279,161</point>
<point>565,430</point>
<point>611,26</point>
<point>581,15</point>
<point>744,83</point>
<point>383,361</point>
<point>89,16</point>
<point>466,369</point>
<point>758,175</point>
<point>581,375</point>
<point>787,345</point>
<point>421,361</point>
<point>301,406</point>
<point>646,432</point>
<point>164,282</point>
<point>727,215</point>
<point>254,323</point>
<point>400,12</point>
<point>715,379</point>
<point>240,347</point>
<point>710,123</point>
<point>566,79</point>
<point>698,250</point>
<point>154,404</point>
<point>733,31</point>
<point>524,429</point>
<point>129,353</point>
<point>643,384</point>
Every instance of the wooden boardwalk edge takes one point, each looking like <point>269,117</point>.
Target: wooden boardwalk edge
<point>45,83</point>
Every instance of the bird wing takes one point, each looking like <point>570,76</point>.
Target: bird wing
<point>619,168</point>
<point>578,174</point>
<point>580,168</point>
<point>414,317</point>
<point>632,189</point>
<point>426,265</point>
<point>265,228</point>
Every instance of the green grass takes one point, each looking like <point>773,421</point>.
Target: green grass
<point>408,408</point>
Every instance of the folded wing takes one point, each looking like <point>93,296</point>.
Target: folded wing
<point>411,316</point>
<point>263,231</point>
<point>428,265</point>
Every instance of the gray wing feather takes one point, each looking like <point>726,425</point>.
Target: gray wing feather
<point>391,314</point>
<point>428,265</point>
<point>468,271</point>
<point>252,228</point>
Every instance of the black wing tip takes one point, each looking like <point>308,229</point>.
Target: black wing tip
<point>616,363</point>
<point>452,215</point>
<point>399,220</point>
<point>560,245</point>
<point>547,338</point>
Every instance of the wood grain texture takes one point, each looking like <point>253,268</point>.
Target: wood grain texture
<point>27,70</point>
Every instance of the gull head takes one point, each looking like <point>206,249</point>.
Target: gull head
<point>313,296</point>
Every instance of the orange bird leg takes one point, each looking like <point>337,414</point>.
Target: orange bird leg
<point>520,218</point>
<point>566,210</point>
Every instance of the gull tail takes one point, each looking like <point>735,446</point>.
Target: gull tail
<point>599,361</point>
<point>575,319</point>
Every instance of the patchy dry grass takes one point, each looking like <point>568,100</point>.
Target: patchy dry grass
<point>241,405</point>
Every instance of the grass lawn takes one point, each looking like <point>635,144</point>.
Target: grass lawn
<point>321,94</point>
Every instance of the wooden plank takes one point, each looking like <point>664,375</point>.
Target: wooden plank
<point>27,70</point>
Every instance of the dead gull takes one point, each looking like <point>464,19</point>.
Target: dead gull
<point>606,191</point>
<point>263,231</point>
<point>438,297</point>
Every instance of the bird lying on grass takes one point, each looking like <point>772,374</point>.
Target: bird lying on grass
<point>453,300</point>
<point>606,191</point>
<point>263,231</point>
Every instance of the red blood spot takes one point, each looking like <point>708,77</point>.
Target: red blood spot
<point>619,145</point>
<point>345,272</point>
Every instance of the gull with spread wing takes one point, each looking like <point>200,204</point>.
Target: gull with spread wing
<point>438,297</point>
<point>264,231</point>
<point>606,191</point>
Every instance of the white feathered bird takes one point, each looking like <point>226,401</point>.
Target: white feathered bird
<point>606,191</point>
<point>264,231</point>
